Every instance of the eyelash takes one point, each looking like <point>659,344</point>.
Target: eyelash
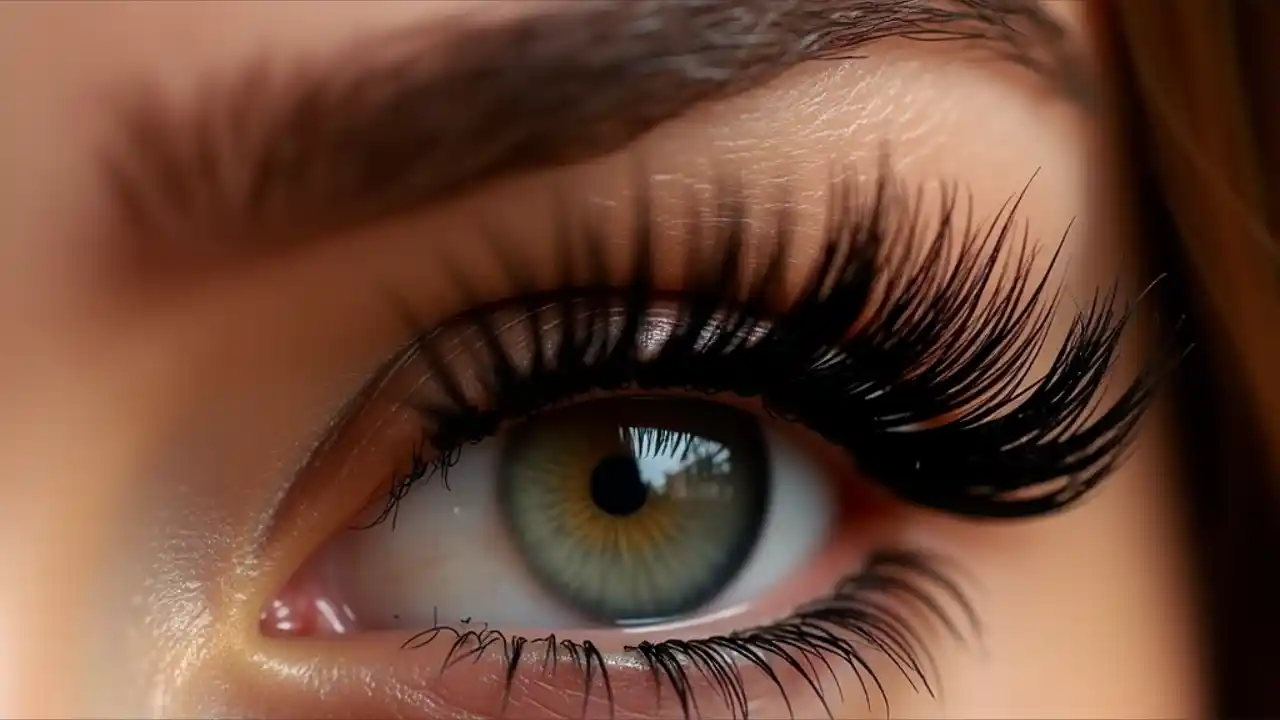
<point>807,640</point>
<point>908,347</point>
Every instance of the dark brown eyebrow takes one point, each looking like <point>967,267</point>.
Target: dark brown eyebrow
<point>390,123</point>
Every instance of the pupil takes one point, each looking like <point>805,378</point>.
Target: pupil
<point>616,487</point>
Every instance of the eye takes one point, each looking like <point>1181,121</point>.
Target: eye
<point>630,487</point>
<point>628,511</point>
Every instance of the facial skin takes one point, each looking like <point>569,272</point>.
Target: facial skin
<point>157,411</point>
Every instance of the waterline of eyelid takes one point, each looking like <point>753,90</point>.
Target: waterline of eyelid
<point>532,662</point>
<point>918,594</point>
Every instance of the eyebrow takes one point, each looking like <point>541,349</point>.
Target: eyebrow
<point>393,122</point>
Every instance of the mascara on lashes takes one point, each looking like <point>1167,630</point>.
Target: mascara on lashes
<point>910,346</point>
<point>907,347</point>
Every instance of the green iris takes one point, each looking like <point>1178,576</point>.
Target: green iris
<point>636,509</point>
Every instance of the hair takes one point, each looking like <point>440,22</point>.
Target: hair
<point>1193,89</point>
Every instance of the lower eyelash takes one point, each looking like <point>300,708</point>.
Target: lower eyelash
<point>866,615</point>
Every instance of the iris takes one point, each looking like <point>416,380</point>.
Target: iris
<point>636,509</point>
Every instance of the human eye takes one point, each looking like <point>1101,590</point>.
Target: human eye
<point>676,474</point>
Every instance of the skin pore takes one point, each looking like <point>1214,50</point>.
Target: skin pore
<point>162,396</point>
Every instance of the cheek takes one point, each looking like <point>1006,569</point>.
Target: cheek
<point>79,532</point>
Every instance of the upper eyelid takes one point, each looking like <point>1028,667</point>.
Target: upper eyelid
<point>358,136</point>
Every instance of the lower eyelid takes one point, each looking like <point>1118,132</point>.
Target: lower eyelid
<point>373,677</point>
<point>373,674</point>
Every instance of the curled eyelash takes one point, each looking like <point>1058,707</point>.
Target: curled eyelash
<point>910,346</point>
<point>874,612</point>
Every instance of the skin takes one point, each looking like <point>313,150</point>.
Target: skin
<point>152,421</point>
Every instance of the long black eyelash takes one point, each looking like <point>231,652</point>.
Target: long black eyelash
<point>909,346</point>
<point>875,611</point>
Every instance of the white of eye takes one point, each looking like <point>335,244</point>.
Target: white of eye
<point>451,558</point>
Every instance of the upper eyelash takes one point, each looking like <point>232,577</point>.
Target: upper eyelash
<point>909,352</point>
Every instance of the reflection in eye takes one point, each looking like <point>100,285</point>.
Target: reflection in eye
<point>613,516</point>
<point>908,352</point>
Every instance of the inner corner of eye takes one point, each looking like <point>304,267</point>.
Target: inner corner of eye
<point>631,514</point>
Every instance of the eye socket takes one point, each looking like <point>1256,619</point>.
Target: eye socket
<point>624,511</point>
<point>914,358</point>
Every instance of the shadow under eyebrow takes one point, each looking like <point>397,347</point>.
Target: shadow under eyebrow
<point>277,153</point>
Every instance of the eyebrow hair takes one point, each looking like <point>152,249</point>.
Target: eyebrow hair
<point>393,122</point>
